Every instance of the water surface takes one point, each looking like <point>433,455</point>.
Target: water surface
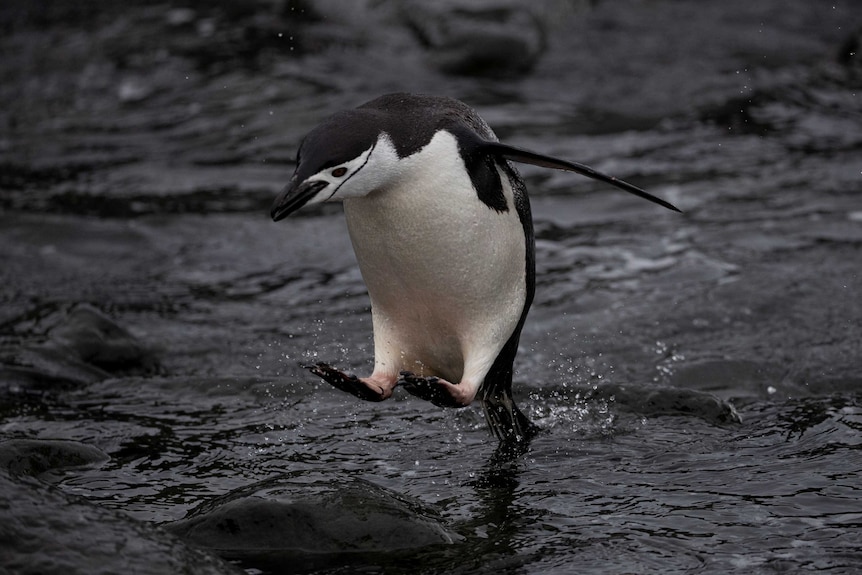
<point>697,375</point>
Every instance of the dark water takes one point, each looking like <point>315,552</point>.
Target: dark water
<point>698,375</point>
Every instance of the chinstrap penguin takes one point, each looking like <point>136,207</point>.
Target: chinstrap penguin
<point>440,222</point>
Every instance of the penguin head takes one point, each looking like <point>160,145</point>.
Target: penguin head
<point>347,156</point>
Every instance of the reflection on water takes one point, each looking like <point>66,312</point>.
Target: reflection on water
<point>696,376</point>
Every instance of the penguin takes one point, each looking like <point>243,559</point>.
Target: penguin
<point>440,223</point>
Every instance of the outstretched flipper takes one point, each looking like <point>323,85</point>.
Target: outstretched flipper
<point>469,137</point>
<point>347,382</point>
<point>527,157</point>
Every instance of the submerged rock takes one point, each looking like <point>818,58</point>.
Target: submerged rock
<point>85,346</point>
<point>309,521</point>
<point>495,40</point>
<point>36,456</point>
<point>657,401</point>
<point>46,532</point>
<point>92,337</point>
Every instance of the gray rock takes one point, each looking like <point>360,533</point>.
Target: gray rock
<point>495,39</point>
<point>46,532</point>
<point>85,346</point>
<point>312,520</point>
<point>36,456</point>
<point>92,337</point>
<point>658,401</point>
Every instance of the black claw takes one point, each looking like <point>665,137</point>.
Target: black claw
<point>343,381</point>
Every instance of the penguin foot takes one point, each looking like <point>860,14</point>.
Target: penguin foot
<point>361,388</point>
<point>506,421</point>
<point>438,391</point>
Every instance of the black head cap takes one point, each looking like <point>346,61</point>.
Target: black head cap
<point>336,140</point>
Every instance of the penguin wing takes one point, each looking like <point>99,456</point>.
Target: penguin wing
<point>474,142</point>
<point>527,157</point>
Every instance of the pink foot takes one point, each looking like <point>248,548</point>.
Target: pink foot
<point>438,391</point>
<point>363,388</point>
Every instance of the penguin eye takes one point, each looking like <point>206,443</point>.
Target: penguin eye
<point>338,172</point>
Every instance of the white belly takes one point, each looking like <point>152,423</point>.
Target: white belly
<point>445,273</point>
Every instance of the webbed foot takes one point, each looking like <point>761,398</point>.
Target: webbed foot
<point>361,388</point>
<point>438,391</point>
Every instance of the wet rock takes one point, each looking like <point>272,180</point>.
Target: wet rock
<point>92,337</point>
<point>46,369</point>
<point>33,380</point>
<point>36,456</point>
<point>657,401</point>
<point>311,521</point>
<point>46,532</point>
<point>85,346</point>
<point>478,40</point>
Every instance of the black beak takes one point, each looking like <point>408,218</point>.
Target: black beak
<point>293,197</point>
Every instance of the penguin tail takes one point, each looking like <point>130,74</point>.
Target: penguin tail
<point>508,424</point>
